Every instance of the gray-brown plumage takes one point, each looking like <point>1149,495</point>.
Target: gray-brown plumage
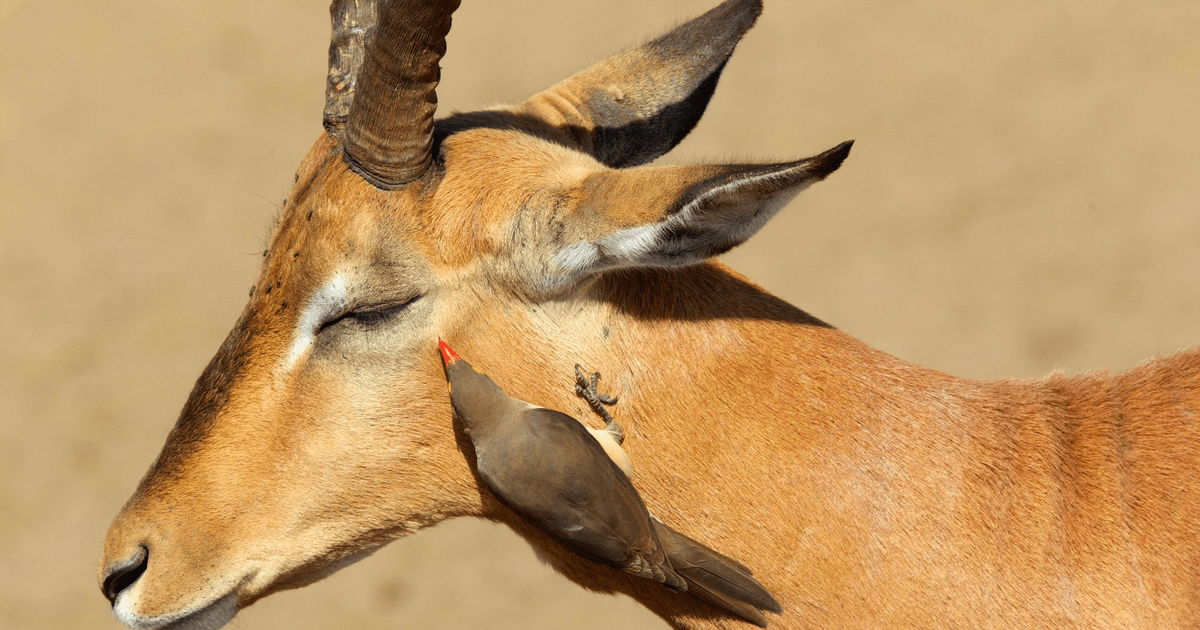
<point>715,577</point>
<point>549,469</point>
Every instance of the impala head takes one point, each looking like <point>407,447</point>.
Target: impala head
<point>321,429</point>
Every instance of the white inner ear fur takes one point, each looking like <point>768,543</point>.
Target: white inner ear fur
<point>328,302</point>
<point>639,245</point>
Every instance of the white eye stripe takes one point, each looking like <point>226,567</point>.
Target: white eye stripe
<point>328,302</point>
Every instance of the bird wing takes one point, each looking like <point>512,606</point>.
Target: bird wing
<point>553,473</point>
<point>715,577</point>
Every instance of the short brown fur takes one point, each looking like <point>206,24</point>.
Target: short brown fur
<point>862,490</point>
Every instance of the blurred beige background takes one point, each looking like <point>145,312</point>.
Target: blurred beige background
<point>1023,196</point>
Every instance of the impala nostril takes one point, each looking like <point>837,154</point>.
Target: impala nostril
<point>121,576</point>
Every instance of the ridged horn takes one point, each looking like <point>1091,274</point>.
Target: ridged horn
<point>389,133</point>
<point>352,21</point>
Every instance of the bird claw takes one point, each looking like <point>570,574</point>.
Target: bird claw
<point>587,388</point>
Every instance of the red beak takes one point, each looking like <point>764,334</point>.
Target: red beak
<point>449,356</point>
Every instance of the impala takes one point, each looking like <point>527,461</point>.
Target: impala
<point>862,490</point>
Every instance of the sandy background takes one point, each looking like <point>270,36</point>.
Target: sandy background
<point>1023,197</point>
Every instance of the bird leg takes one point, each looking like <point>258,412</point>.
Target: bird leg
<point>586,388</point>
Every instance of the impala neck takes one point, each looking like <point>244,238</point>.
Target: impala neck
<point>710,339</point>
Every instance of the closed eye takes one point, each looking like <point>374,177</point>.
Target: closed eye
<point>369,317</point>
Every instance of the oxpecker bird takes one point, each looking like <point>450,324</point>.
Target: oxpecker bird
<point>559,476</point>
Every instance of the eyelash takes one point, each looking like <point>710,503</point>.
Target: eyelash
<point>370,318</point>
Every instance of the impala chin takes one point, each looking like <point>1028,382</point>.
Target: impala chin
<point>259,581</point>
<point>210,617</point>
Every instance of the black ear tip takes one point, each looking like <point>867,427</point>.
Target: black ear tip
<point>752,9</point>
<point>824,164</point>
<point>714,34</point>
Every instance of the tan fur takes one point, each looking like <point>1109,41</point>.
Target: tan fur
<point>863,491</point>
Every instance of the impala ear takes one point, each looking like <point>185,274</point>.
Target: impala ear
<point>677,215</point>
<point>636,106</point>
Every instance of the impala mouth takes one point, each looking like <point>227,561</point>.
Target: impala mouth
<point>210,617</point>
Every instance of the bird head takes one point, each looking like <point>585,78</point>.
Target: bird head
<point>477,399</point>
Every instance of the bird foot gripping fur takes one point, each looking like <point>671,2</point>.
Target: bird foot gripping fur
<point>587,389</point>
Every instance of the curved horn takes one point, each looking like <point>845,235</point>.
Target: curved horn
<point>389,135</point>
<point>352,20</point>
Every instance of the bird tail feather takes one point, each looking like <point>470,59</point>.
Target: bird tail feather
<point>717,578</point>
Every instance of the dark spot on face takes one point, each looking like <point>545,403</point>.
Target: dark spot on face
<point>309,217</point>
<point>295,178</point>
<point>265,252</point>
<point>283,305</point>
<point>278,283</point>
<point>251,290</point>
<point>296,254</point>
<point>269,287</point>
<point>284,202</point>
